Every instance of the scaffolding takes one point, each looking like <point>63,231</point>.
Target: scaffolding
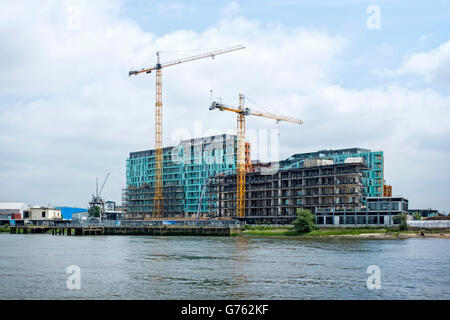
<point>278,196</point>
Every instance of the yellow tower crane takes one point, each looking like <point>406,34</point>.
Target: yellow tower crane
<point>158,200</point>
<point>241,113</point>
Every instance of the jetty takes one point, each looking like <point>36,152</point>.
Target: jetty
<point>136,227</point>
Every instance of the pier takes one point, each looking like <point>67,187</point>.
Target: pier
<point>123,227</point>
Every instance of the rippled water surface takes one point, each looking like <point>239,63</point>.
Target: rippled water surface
<point>139,267</point>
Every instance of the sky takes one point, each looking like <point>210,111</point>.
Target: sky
<point>370,74</point>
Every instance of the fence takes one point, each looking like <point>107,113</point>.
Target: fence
<point>41,223</point>
<point>429,224</point>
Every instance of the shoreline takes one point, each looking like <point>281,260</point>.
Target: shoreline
<point>376,236</point>
<point>344,234</point>
<point>286,233</point>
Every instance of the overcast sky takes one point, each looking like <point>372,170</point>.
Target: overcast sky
<point>358,76</point>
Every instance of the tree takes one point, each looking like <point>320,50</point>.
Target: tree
<point>304,221</point>
<point>94,211</point>
<point>417,216</point>
<point>401,221</point>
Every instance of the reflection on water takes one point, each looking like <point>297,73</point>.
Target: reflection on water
<point>138,267</point>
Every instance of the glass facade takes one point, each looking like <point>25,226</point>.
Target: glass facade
<point>186,171</point>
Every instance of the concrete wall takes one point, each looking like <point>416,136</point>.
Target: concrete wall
<point>429,224</point>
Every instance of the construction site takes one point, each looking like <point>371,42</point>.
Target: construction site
<point>215,177</point>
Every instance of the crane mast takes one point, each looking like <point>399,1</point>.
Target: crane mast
<point>240,206</point>
<point>158,199</point>
<point>241,169</point>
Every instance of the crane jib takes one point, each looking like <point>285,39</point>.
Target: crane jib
<point>211,54</point>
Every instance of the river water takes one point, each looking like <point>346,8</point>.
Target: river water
<point>142,267</point>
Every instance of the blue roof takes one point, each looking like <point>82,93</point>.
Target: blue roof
<point>67,212</point>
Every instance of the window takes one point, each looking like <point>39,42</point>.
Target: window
<point>373,220</point>
<point>43,214</point>
<point>361,220</point>
<point>350,220</point>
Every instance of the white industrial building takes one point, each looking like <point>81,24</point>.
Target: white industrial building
<point>80,215</point>
<point>8,208</point>
<point>45,213</point>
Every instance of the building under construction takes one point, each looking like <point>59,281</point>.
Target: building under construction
<point>275,197</point>
<point>187,169</point>
<point>372,179</point>
<point>199,176</point>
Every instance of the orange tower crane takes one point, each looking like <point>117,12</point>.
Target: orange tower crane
<point>158,200</point>
<point>241,113</point>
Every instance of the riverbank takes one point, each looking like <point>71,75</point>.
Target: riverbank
<point>359,233</point>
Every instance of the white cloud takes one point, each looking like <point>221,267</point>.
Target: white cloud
<point>69,112</point>
<point>432,65</point>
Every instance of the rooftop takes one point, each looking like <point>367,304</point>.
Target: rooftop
<point>329,152</point>
<point>12,205</point>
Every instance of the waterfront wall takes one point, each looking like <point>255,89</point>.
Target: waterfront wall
<point>429,224</point>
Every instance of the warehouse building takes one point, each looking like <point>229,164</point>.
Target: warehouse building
<point>13,210</point>
<point>68,212</point>
<point>19,208</point>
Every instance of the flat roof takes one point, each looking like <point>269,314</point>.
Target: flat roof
<point>12,205</point>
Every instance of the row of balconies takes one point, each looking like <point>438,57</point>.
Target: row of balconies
<point>308,198</point>
<point>292,193</point>
<point>315,194</point>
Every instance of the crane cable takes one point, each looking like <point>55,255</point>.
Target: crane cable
<point>265,107</point>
